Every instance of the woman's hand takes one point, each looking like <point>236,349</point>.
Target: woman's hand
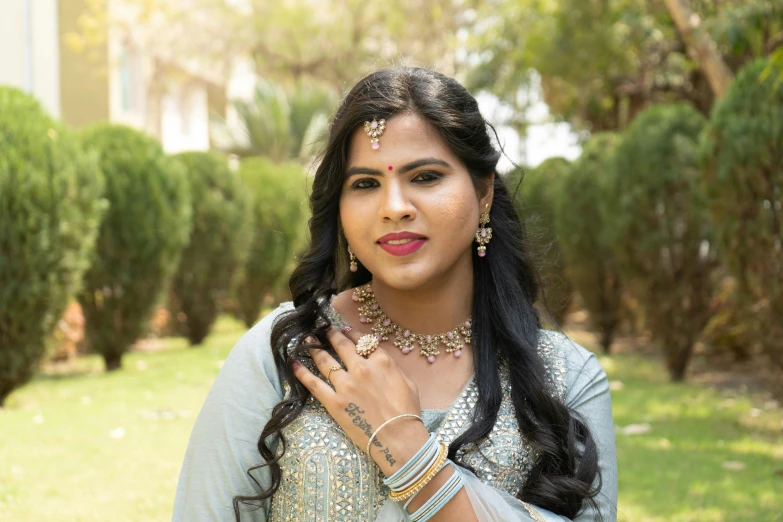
<point>367,393</point>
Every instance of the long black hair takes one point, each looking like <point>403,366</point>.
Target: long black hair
<point>506,286</point>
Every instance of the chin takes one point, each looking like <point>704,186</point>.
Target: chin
<point>406,277</point>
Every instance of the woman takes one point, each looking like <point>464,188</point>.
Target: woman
<point>410,378</point>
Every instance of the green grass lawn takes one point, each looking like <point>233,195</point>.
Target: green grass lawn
<point>85,446</point>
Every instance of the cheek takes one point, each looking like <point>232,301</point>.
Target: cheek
<point>453,215</point>
<point>353,216</point>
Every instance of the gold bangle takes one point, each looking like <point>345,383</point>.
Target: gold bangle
<point>423,481</point>
<point>387,422</point>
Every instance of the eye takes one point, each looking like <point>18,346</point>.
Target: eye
<point>364,183</point>
<point>427,176</point>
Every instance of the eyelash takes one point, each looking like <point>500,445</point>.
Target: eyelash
<point>433,175</point>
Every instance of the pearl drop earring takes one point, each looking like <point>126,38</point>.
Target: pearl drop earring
<point>354,266</point>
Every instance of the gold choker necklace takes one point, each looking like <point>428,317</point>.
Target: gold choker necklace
<point>370,312</point>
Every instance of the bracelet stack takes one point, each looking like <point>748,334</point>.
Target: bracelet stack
<point>406,482</point>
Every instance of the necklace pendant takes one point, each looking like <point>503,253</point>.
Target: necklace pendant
<point>405,340</point>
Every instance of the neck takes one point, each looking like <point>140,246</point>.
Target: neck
<point>433,308</point>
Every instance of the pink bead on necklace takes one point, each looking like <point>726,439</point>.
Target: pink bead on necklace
<point>370,312</point>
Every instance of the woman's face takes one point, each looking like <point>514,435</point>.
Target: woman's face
<point>413,183</point>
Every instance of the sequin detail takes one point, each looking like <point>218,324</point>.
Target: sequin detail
<point>327,478</point>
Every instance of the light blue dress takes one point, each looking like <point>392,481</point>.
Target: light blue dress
<point>327,478</point>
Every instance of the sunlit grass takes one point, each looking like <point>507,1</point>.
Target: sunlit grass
<point>701,460</point>
<point>80,445</point>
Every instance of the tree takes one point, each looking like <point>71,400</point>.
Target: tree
<point>536,203</point>
<point>279,202</point>
<point>51,204</point>
<point>217,247</point>
<point>140,240</point>
<point>743,173</point>
<point>279,123</point>
<point>656,219</point>
<point>334,42</point>
<point>701,45</point>
<point>602,62</point>
<point>589,261</point>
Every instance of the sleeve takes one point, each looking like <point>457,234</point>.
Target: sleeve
<point>223,443</point>
<point>588,394</point>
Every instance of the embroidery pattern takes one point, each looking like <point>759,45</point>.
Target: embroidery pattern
<point>318,448</point>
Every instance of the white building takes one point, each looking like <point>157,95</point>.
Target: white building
<point>118,79</point>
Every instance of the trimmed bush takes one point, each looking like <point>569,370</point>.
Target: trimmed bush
<point>218,244</point>
<point>536,203</point>
<point>140,240</point>
<point>743,172</point>
<point>50,209</point>
<point>657,222</point>
<point>589,261</point>
<point>279,208</point>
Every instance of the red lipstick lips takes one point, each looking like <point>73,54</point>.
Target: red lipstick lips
<point>405,248</point>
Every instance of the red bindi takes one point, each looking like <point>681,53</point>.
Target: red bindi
<point>391,168</point>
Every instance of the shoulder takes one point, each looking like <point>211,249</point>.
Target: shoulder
<point>253,352</point>
<point>571,366</point>
<point>257,338</point>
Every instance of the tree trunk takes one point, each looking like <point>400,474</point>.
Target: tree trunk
<point>677,358</point>
<point>701,45</point>
<point>5,391</point>
<point>113,361</point>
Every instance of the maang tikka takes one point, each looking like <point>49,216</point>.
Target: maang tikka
<point>374,130</point>
<point>484,233</point>
<point>354,266</point>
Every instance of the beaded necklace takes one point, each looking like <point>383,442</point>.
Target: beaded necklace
<point>383,327</point>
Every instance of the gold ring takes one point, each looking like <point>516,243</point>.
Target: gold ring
<point>333,368</point>
<point>366,345</point>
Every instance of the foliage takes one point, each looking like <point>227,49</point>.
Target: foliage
<point>601,63</point>
<point>140,239</point>
<point>279,200</point>
<point>334,42</point>
<point>656,220</point>
<point>217,246</point>
<point>589,261</point>
<point>278,123</point>
<point>50,209</point>
<point>743,154</point>
<point>339,41</point>
<point>536,203</point>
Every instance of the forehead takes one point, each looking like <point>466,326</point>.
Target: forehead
<point>407,137</point>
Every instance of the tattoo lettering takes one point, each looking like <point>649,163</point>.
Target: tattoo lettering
<point>354,411</point>
<point>388,455</point>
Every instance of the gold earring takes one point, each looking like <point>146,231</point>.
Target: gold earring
<point>354,266</point>
<point>484,233</point>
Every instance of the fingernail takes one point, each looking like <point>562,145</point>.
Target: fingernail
<point>296,365</point>
<point>347,329</point>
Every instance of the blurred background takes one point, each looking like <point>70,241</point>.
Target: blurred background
<point>155,159</point>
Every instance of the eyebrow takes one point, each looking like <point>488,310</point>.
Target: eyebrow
<point>353,171</point>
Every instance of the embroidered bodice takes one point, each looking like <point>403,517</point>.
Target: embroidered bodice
<point>327,478</point>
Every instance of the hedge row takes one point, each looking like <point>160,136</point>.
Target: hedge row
<point>104,215</point>
<point>657,218</point>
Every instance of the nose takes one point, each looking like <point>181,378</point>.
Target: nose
<point>395,204</point>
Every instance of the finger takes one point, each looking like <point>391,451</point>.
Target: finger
<point>344,346</point>
<point>324,361</point>
<point>320,390</point>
